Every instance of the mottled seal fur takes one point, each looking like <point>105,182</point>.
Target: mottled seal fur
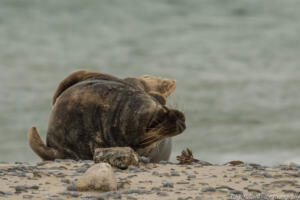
<point>96,110</point>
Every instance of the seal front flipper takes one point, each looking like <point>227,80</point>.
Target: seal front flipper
<point>167,123</point>
<point>38,146</point>
<point>79,76</point>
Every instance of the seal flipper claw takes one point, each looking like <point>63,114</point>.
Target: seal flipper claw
<point>38,146</point>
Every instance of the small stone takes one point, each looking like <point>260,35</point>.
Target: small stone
<point>136,191</point>
<point>163,194</point>
<point>2,193</point>
<point>65,180</point>
<point>71,193</point>
<point>82,170</point>
<point>208,189</point>
<point>64,160</point>
<point>235,192</point>
<point>34,187</point>
<point>155,173</point>
<point>292,164</point>
<point>27,196</point>
<point>20,189</point>
<point>145,159</point>
<point>291,191</point>
<point>131,198</point>
<point>224,187</point>
<point>167,184</point>
<point>108,195</point>
<point>191,176</point>
<point>71,187</point>
<point>98,177</point>
<point>255,166</point>
<point>123,185</point>
<point>244,178</point>
<point>183,182</point>
<point>253,190</point>
<point>204,163</point>
<point>267,175</point>
<point>174,173</point>
<point>163,162</point>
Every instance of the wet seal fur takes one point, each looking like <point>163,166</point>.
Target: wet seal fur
<point>96,110</point>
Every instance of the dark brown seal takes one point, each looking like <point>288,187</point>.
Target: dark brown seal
<point>96,110</point>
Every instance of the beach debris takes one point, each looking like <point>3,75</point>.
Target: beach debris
<point>98,177</point>
<point>235,162</point>
<point>120,157</point>
<point>186,157</point>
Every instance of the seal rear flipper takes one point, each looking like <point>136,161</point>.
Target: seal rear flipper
<point>38,146</point>
<point>79,76</point>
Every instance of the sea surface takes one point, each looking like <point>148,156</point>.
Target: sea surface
<point>236,62</point>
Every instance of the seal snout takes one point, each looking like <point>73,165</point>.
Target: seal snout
<point>181,125</point>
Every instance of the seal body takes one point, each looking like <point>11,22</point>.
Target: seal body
<point>94,110</point>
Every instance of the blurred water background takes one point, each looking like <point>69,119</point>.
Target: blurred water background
<point>236,62</point>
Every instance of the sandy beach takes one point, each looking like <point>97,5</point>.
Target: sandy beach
<point>53,180</point>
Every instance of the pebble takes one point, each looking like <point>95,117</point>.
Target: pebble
<point>235,192</point>
<point>145,159</point>
<point>163,162</point>
<point>253,190</point>
<point>136,191</point>
<point>167,184</point>
<point>163,194</point>
<point>222,187</point>
<point>291,191</point>
<point>27,196</point>
<point>71,187</point>
<point>208,189</point>
<point>82,169</point>
<point>131,198</point>
<point>104,196</point>
<point>34,187</point>
<point>255,166</point>
<point>191,176</point>
<point>186,198</point>
<point>2,193</point>
<point>71,193</point>
<point>267,175</point>
<point>155,173</point>
<point>64,160</point>
<point>20,189</point>
<point>174,173</point>
<point>183,182</point>
<point>204,163</point>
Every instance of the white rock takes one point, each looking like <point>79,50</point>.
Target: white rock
<point>99,177</point>
<point>292,164</point>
